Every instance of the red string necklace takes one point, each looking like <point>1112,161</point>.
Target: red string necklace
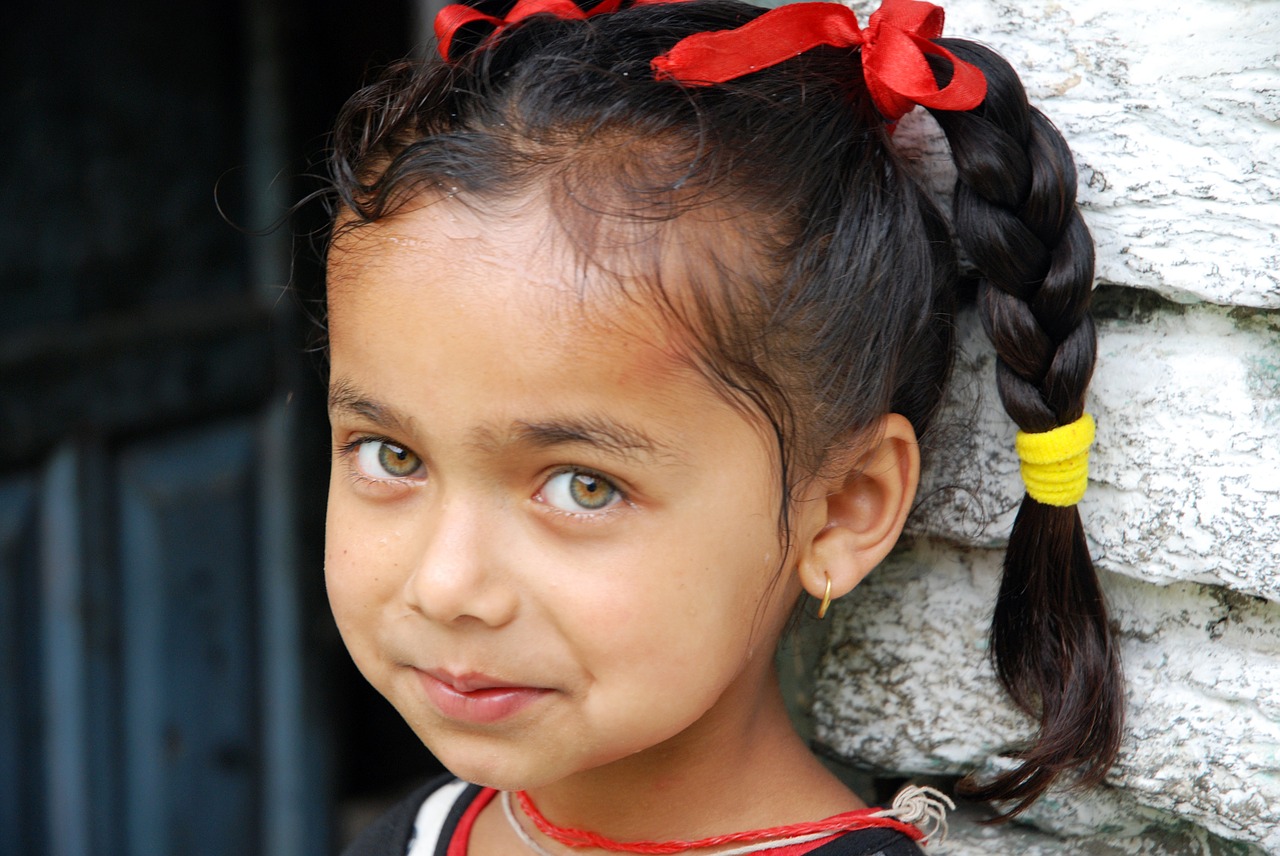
<point>865,818</point>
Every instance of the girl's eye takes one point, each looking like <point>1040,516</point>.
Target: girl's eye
<point>382,459</point>
<point>580,490</point>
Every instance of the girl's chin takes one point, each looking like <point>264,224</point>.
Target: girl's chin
<point>523,766</point>
<point>505,765</point>
<point>519,769</point>
<point>502,776</point>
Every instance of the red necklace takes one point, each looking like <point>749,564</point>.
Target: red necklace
<point>865,818</point>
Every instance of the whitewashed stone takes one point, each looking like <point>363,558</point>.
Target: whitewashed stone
<point>906,687</point>
<point>1174,115</point>
<point>1185,472</point>
<point>1173,112</point>
<point>969,837</point>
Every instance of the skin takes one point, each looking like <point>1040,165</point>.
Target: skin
<point>474,390</point>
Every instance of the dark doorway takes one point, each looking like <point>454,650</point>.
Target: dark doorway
<point>170,681</point>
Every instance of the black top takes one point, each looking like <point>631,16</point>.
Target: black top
<point>390,834</point>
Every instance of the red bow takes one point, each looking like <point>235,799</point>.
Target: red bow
<point>455,16</point>
<point>894,44</point>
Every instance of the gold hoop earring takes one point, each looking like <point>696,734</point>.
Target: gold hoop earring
<point>826,600</point>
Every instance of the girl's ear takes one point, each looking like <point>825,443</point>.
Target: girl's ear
<point>865,510</point>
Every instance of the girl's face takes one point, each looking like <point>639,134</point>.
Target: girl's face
<point>551,544</point>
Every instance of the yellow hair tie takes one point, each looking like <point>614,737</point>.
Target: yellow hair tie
<point>1055,464</point>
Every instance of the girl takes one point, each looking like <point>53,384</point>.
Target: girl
<point>636,323</point>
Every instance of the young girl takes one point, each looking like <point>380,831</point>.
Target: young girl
<point>637,326</point>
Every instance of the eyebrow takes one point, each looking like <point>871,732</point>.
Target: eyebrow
<point>345,398</point>
<point>598,432</point>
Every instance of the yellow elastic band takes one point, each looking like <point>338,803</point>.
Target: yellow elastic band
<point>1055,464</point>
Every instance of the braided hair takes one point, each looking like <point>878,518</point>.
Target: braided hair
<point>841,309</point>
<point>1015,215</point>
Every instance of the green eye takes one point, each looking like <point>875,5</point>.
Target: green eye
<point>381,459</point>
<point>580,490</point>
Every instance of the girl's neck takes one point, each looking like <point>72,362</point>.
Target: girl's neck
<point>716,778</point>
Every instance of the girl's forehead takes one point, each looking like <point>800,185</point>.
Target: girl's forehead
<point>471,329</point>
<point>521,275</point>
<point>645,277</point>
<point>439,230</point>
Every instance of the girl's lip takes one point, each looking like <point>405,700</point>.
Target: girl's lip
<point>476,698</point>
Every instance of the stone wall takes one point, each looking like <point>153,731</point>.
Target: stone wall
<point>1173,112</point>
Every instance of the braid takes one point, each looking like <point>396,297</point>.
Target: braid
<point>1015,214</point>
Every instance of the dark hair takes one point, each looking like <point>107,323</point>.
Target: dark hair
<point>842,312</point>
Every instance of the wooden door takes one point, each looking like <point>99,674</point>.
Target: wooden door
<point>157,657</point>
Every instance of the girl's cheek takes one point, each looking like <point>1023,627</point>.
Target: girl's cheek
<point>358,558</point>
<point>341,580</point>
<point>374,546</point>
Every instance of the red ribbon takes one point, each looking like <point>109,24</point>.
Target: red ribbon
<point>894,44</point>
<point>455,16</point>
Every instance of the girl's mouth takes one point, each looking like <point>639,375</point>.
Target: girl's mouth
<point>476,698</point>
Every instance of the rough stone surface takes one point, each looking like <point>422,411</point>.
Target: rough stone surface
<point>968,837</point>
<point>1185,472</point>
<point>906,688</point>
<point>1173,113</point>
<point>1182,516</point>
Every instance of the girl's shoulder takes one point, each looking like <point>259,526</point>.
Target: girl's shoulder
<point>417,824</point>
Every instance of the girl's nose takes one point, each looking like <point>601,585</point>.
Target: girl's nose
<point>461,574</point>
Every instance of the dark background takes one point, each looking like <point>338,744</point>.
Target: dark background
<point>170,679</point>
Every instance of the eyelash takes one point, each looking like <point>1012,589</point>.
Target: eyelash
<point>587,515</point>
<point>350,451</point>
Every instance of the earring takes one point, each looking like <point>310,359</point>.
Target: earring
<point>826,600</point>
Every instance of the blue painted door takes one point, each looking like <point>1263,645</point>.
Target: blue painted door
<point>158,687</point>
